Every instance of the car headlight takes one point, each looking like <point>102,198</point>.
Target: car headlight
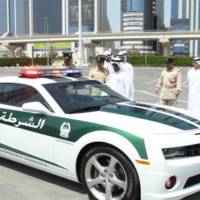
<point>181,152</point>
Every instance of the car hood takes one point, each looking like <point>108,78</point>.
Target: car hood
<point>141,119</point>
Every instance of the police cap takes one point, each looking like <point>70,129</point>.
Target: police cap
<point>67,55</point>
<point>169,61</point>
<point>100,60</point>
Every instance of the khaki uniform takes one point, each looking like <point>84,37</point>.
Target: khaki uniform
<point>58,63</point>
<point>169,86</point>
<point>99,75</point>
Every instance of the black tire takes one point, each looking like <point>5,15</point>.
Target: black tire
<point>133,185</point>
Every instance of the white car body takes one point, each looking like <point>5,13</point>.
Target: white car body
<point>33,142</point>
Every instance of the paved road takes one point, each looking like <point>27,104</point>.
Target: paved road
<point>18,182</point>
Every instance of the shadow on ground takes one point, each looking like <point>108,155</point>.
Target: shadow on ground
<point>42,176</point>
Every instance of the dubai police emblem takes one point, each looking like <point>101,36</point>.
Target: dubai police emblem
<point>65,130</point>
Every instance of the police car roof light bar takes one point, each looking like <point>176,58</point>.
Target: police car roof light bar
<point>39,73</point>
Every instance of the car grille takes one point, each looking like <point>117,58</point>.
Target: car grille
<point>193,150</point>
<point>192,181</point>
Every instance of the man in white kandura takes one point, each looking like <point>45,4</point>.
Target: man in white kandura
<point>193,77</point>
<point>108,61</point>
<point>128,69</point>
<point>117,80</point>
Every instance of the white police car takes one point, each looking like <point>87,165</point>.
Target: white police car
<point>81,130</point>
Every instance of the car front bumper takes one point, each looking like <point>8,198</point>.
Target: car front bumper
<point>153,179</point>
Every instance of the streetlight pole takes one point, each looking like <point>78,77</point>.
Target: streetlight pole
<point>80,34</point>
<point>46,29</point>
<point>46,25</point>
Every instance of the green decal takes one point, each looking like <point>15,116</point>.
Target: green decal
<point>52,126</point>
<point>15,152</point>
<point>154,116</point>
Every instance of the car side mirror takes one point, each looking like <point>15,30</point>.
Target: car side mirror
<point>35,107</point>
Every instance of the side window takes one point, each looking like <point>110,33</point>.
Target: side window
<point>18,94</point>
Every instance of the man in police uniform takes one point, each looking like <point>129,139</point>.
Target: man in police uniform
<point>169,84</point>
<point>100,73</point>
<point>66,62</point>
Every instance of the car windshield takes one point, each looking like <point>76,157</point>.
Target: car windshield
<point>82,96</point>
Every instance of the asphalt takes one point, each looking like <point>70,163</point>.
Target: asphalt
<point>18,182</point>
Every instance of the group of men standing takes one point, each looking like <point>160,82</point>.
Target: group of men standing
<point>115,72</point>
<point>118,74</point>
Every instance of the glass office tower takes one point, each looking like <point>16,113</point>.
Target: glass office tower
<point>47,16</point>
<point>87,15</point>
<point>22,17</point>
<point>139,15</point>
<point>180,22</point>
<point>148,8</point>
<point>3,18</point>
<point>134,5</point>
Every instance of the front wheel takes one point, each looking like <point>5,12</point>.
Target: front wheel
<point>107,174</point>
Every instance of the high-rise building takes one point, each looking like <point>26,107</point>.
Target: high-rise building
<point>194,26</point>
<point>148,8</point>
<point>180,21</point>
<point>101,16</point>
<point>160,14</point>
<point>47,16</point>
<point>87,15</point>
<point>25,17</point>
<point>14,17</point>
<point>21,9</point>
<point>180,9</point>
<point>3,18</point>
<point>32,17</point>
<point>94,16</point>
<point>138,15</point>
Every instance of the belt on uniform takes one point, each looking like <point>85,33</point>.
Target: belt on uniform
<point>169,87</point>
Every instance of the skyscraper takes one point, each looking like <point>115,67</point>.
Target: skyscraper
<point>194,26</point>
<point>180,9</point>
<point>21,17</point>
<point>87,15</point>
<point>138,15</point>
<point>148,8</point>
<point>133,5</point>
<point>47,16</point>
<point>160,14</point>
<point>180,22</point>
<point>14,18</point>
<point>3,18</point>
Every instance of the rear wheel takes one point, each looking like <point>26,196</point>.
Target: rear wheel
<point>107,174</point>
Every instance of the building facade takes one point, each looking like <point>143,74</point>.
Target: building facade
<point>94,16</point>
<point>87,16</point>
<point>47,19</point>
<point>3,18</point>
<point>160,11</point>
<point>180,21</point>
<point>138,15</point>
<point>29,17</point>
<point>194,26</point>
<point>21,12</point>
